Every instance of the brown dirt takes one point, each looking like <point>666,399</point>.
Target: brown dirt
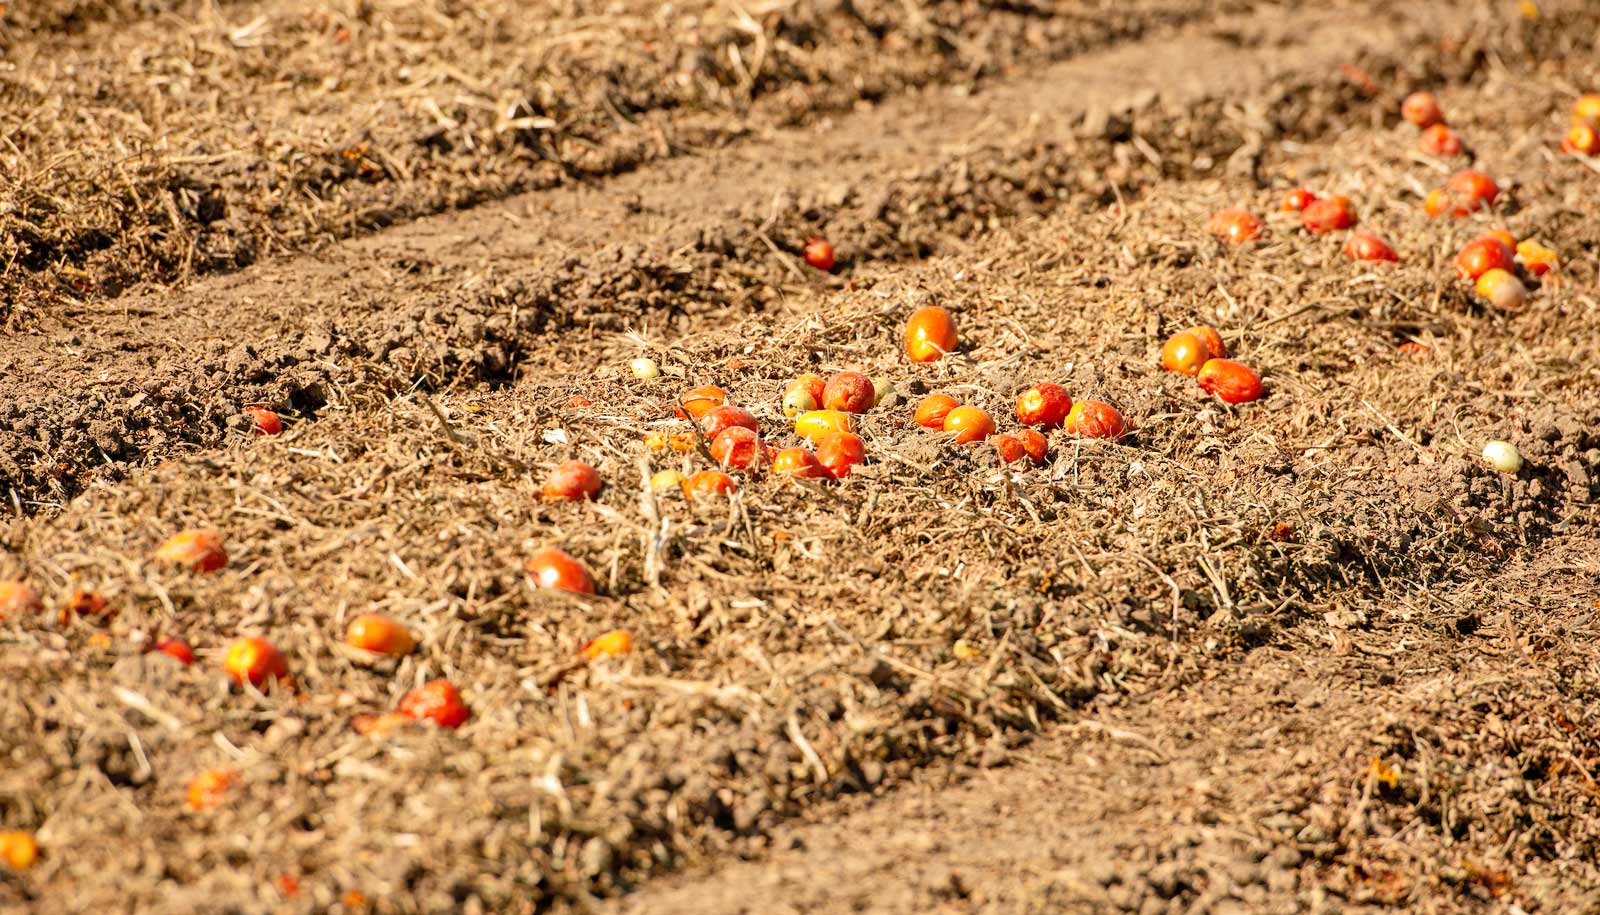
<point>1151,676</point>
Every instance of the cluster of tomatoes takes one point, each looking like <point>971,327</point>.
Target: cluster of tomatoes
<point>1583,137</point>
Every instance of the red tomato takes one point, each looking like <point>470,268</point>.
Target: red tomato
<point>851,392</point>
<point>736,446</point>
<point>709,483</point>
<point>1235,226</point>
<point>265,421</point>
<point>1440,140</point>
<point>1094,419</point>
<point>1327,214</point>
<point>1045,404</point>
<point>1470,191</point>
<point>968,424</point>
<point>178,651</point>
<point>698,402</point>
<point>819,254</point>
<point>797,462</point>
<point>727,416</point>
<point>437,701</point>
<point>573,481</point>
<point>556,570</point>
<point>255,661</point>
<point>1184,352</point>
<point>1422,109</point>
<point>1230,381</point>
<point>1297,200</point>
<point>1034,443</point>
<point>1364,247</point>
<point>837,452</point>
<point>1481,255</point>
<point>933,409</point>
<point>1581,139</point>
<point>930,334</point>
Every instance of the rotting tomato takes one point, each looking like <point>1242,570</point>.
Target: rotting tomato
<point>851,392</point>
<point>699,401</point>
<point>177,650</point>
<point>1470,191</point>
<point>1297,200</point>
<point>818,253</point>
<point>1213,340</point>
<point>1034,443</point>
<point>199,549</point>
<point>1536,258</point>
<point>438,702</point>
<point>812,426</point>
<point>1045,404</point>
<point>797,462</point>
<point>1231,382</point>
<point>737,446</point>
<point>1362,246</point>
<point>1581,140</point>
<point>18,598</point>
<point>1481,255</point>
<point>1184,352</point>
<point>209,789</point>
<point>254,660</point>
<point>967,424</point>
<point>1009,447</point>
<point>1235,226</point>
<point>613,644</point>
<point>930,334</point>
<point>85,604</point>
<point>933,409</point>
<point>838,452</point>
<point>556,570</point>
<point>1440,140</point>
<point>1422,109</point>
<point>709,483</point>
<point>727,416</point>
<point>1502,289</point>
<point>379,634</point>
<point>1328,214</point>
<point>264,421</point>
<point>1095,419</point>
<point>1586,110</point>
<point>573,481</point>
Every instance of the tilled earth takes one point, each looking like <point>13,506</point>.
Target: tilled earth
<point>1303,655</point>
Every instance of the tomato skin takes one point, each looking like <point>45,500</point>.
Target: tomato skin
<point>838,452</point>
<point>849,392</point>
<point>379,634</point>
<point>930,334</point>
<point>1328,214</point>
<point>1481,255</point>
<point>254,660</point>
<point>1538,259</point>
<point>1231,382</point>
<point>438,702</point>
<point>798,462</point>
<point>1045,404</point>
<point>966,425</point>
<point>200,549</point>
<point>1422,109</point>
<point>1184,352</point>
<point>738,447</point>
<point>1235,226</point>
<point>1440,140</point>
<point>1297,200</point>
<point>556,570</point>
<point>819,254</point>
<point>727,416</point>
<point>573,481</point>
<point>699,401</point>
<point>1035,444</point>
<point>709,483</point>
<point>932,410</point>
<point>1095,419</point>
<point>264,421</point>
<point>1364,247</point>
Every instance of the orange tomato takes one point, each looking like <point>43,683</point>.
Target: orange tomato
<point>797,462</point>
<point>19,850</point>
<point>613,644</point>
<point>819,254</point>
<point>1440,140</point>
<point>1422,109</point>
<point>209,789</point>
<point>438,702</point>
<point>1413,348</point>
<point>17,598</point>
<point>1482,255</point>
<point>850,392</point>
<point>1213,340</point>
<point>1184,352</point>
<point>1471,191</point>
<point>1503,237</point>
<point>556,570</point>
<point>930,334</point>
<point>727,416</point>
<point>1034,443</point>
<point>1297,200</point>
<point>1581,139</point>
<point>1586,110</point>
<point>737,446</point>
<point>379,634</point>
<point>287,884</point>
<point>1094,419</point>
<point>1045,404</point>
<point>837,452</point>
<point>1327,214</point>
<point>177,650</point>
<point>1538,259</point>
<point>802,395</point>
<point>199,549</point>
<point>699,401</point>
<point>254,660</point>
<point>573,481</point>
<point>384,725</point>
<point>709,483</point>
<point>265,422</point>
<point>933,409</point>
<point>812,426</point>
<point>1502,289</point>
<point>1235,226</point>
<point>966,425</point>
<point>1437,202</point>
<point>1364,247</point>
<point>811,384</point>
<point>1009,447</point>
<point>1230,381</point>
